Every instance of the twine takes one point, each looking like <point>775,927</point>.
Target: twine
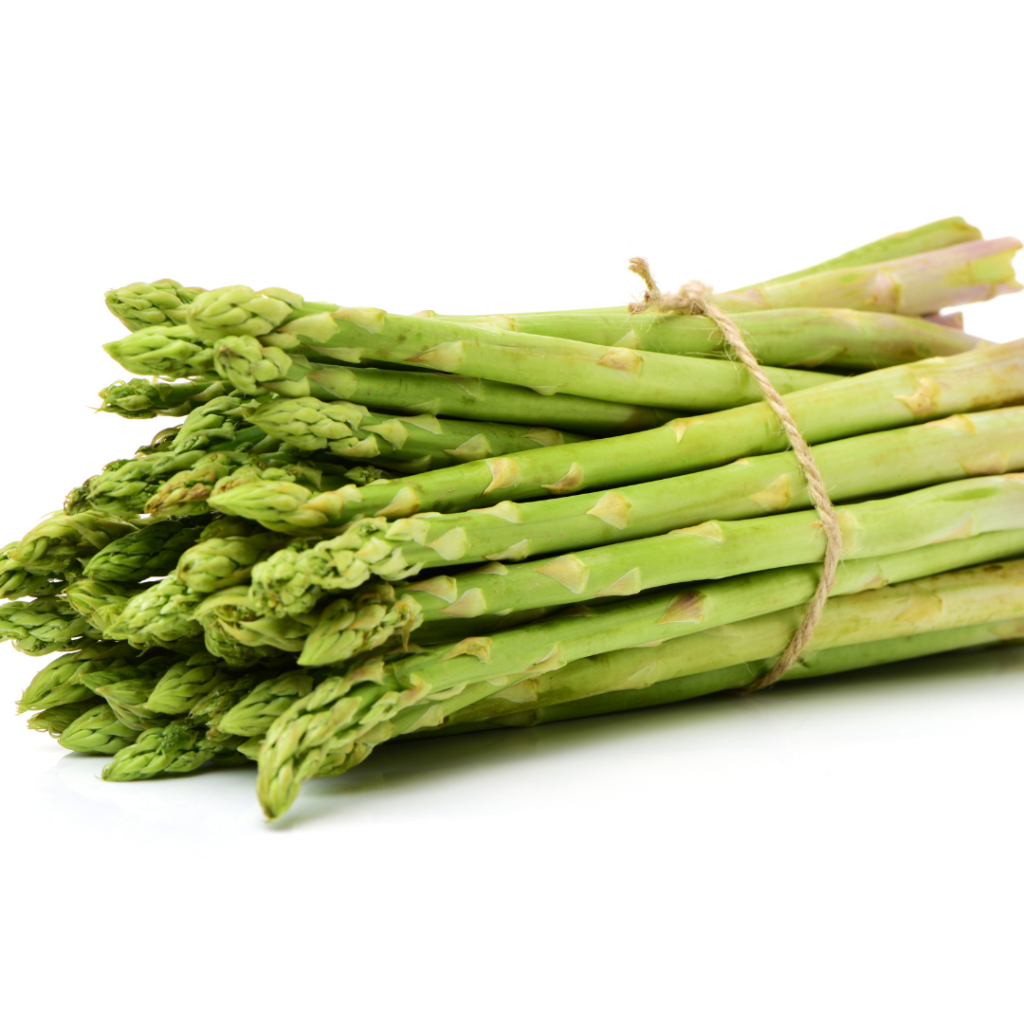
<point>692,299</point>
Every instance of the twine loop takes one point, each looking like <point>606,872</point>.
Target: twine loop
<point>694,299</point>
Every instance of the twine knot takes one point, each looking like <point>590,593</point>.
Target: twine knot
<point>693,299</point>
<point>690,300</point>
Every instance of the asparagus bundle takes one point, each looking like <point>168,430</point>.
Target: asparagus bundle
<point>362,526</point>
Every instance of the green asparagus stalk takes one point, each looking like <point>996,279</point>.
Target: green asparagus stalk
<point>155,353</point>
<point>915,284</point>
<point>143,399</point>
<point>417,443</point>
<point>59,683</point>
<point>17,581</point>
<point>238,635</point>
<point>812,664</point>
<point>142,305</point>
<point>551,365</point>
<point>127,688</point>
<point>125,485</point>
<point>713,605</point>
<point>939,234</point>
<point>292,580</point>
<point>159,615</point>
<point>152,551</point>
<point>442,394</point>
<point>212,708</point>
<point>255,712</point>
<point>44,626</point>
<point>97,730</point>
<point>353,626</point>
<point>100,602</point>
<point>966,597</point>
<point>186,681</point>
<point>912,285</point>
<point>56,720</point>
<point>193,741</point>
<point>179,746</point>
<point>185,491</point>
<point>342,718</point>
<point>174,478</point>
<point>923,283</point>
<point>884,399</point>
<point>711,550</point>
<point>810,338</point>
<point>223,556</point>
<point>62,543</point>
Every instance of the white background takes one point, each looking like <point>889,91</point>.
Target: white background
<point>846,851</point>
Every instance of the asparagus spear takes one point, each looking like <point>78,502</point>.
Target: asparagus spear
<point>950,600</point>
<point>186,681</point>
<point>444,394</point>
<point>810,338</point>
<point>415,442</point>
<point>127,688</point>
<point>124,486</point>
<point>100,602</point>
<point>56,720</point>
<point>256,711</point>
<point>212,708</point>
<point>716,604</point>
<point>967,597</point>
<point>60,682</point>
<point>884,399</point>
<point>812,664</point>
<point>17,581</point>
<point>185,491</point>
<point>141,304</point>
<point>223,556</point>
<point>61,542</point>
<point>153,352</point>
<point>152,551</point>
<point>213,441</point>
<point>236,633</point>
<point>912,285</point>
<point>292,580</point>
<point>97,730</point>
<point>342,718</point>
<point>344,629</point>
<point>919,283</point>
<point>550,365</point>
<point>179,746</point>
<point>711,550</point>
<point>144,399</point>
<point>187,743</point>
<point>916,284</point>
<point>938,234</point>
<point>161,614</point>
<point>44,626</point>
